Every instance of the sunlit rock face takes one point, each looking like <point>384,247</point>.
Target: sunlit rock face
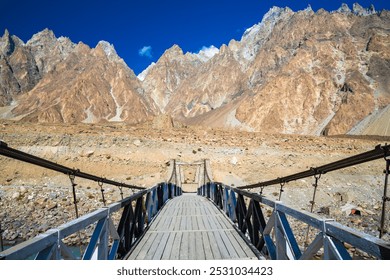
<point>299,72</point>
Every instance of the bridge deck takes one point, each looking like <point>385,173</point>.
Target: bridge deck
<point>190,227</point>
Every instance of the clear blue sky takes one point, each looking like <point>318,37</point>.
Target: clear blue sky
<point>153,25</point>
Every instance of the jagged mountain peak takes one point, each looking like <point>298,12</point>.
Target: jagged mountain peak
<point>45,38</point>
<point>108,50</point>
<point>175,50</point>
<point>357,9</point>
<point>344,8</point>
<point>9,42</point>
<point>6,33</point>
<point>299,72</point>
<point>254,37</point>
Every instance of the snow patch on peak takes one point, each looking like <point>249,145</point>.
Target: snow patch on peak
<point>206,53</point>
<point>141,76</point>
<point>107,48</point>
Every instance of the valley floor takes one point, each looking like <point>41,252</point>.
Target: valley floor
<point>34,199</point>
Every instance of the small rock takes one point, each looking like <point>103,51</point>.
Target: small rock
<point>43,228</point>
<point>16,195</point>
<point>22,190</point>
<point>89,153</point>
<point>137,143</point>
<point>51,205</point>
<point>324,210</point>
<point>234,160</point>
<point>14,236</point>
<point>53,195</point>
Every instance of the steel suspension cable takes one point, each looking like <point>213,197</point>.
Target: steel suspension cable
<point>380,151</point>
<point>25,157</point>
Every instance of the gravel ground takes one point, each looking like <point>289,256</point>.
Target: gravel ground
<point>34,199</point>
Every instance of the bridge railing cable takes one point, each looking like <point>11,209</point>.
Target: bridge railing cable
<point>275,239</point>
<point>107,241</point>
<point>380,151</point>
<point>25,157</point>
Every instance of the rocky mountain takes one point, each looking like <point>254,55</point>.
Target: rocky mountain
<point>299,72</point>
<point>294,72</point>
<point>54,80</point>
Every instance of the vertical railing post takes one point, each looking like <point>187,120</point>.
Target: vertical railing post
<point>1,240</point>
<point>385,198</point>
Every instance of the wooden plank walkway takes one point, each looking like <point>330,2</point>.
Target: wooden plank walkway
<point>190,227</point>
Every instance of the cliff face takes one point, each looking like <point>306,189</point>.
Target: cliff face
<point>294,72</point>
<point>66,82</point>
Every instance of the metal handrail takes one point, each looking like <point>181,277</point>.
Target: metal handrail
<point>377,153</point>
<point>138,212</point>
<point>250,219</point>
<point>25,157</point>
<point>274,237</point>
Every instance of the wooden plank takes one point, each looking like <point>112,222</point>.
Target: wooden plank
<point>224,254</point>
<point>200,223</point>
<point>214,246</point>
<point>191,227</point>
<point>237,246</point>
<point>183,223</point>
<point>175,253</point>
<point>154,246</point>
<point>232,252</point>
<point>200,249</point>
<point>184,246</point>
<point>144,243</point>
<point>245,247</point>
<point>169,246</point>
<point>194,223</point>
<point>162,246</point>
<point>207,247</point>
<point>176,224</point>
<point>206,222</point>
<point>191,246</point>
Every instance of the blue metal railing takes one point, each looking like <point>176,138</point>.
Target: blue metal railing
<point>274,237</point>
<point>281,243</point>
<point>107,242</point>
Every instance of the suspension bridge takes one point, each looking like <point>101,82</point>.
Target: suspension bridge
<point>204,220</point>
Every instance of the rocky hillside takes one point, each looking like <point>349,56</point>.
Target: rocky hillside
<point>294,72</point>
<point>51,79</point>
<point>305,72</point>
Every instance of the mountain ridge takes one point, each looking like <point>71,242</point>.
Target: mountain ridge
<point>301,72</point>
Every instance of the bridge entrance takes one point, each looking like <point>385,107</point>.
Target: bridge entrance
<point>190,176</point>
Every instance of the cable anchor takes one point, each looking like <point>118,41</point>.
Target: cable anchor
<point>281,189</point>
<point>72,180</point>
<point>100,183</point>
<point>261,190</point>
<point>121,190</point>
